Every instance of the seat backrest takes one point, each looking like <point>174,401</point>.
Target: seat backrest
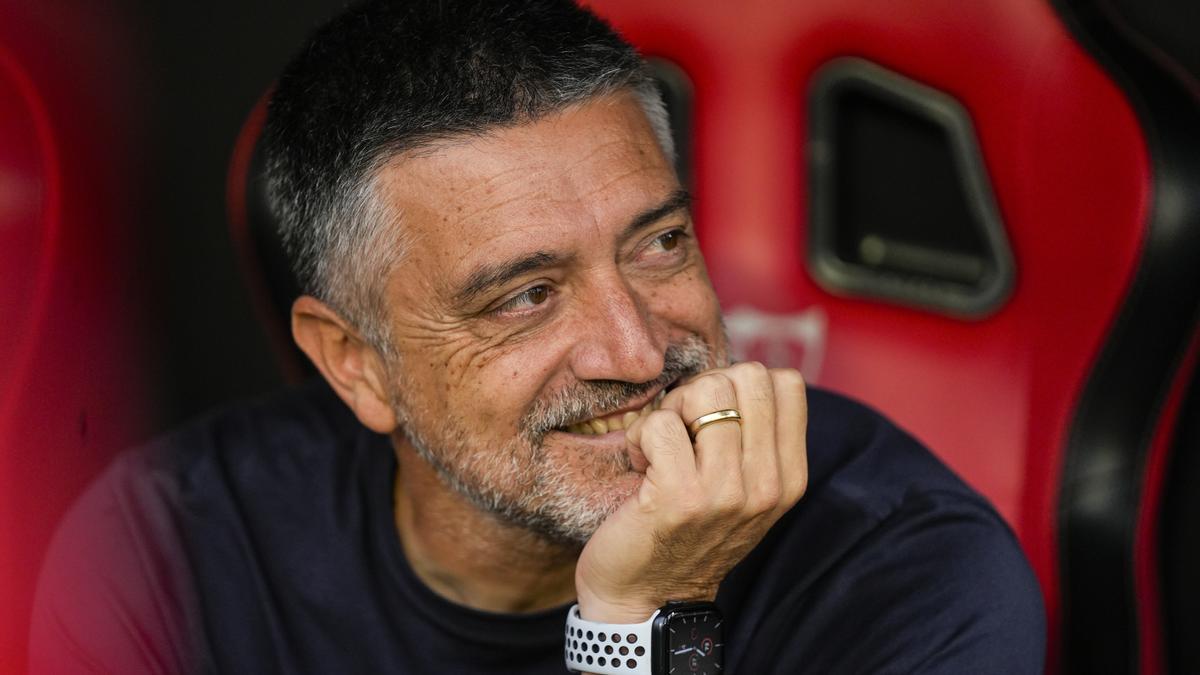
<point>975,217</point>
<point>72,387</point>
<point>981,218</point>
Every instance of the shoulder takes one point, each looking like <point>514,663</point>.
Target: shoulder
<point>890,563</point>
<point>297,423</point>
<point>113,592</point>
<point>117,590</point>
<point>205,468</point>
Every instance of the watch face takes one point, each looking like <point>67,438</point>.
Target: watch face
<point>695,643</point>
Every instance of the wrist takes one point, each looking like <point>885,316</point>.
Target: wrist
<point>628,610</point>
<point>633,602</point>
<point>593,608</point>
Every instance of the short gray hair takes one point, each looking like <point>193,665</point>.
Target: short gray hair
<point>385,78</point>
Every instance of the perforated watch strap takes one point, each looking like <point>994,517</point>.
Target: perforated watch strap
<point>607,648</point>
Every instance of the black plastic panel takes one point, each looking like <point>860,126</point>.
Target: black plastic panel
<point>901,205</point>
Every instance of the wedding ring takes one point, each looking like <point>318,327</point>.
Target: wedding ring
<point>727,415</point>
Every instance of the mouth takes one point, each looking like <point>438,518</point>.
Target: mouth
<point>618,420</point>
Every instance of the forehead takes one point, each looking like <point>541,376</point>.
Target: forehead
<point>577,173</point>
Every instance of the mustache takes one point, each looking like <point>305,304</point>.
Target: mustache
<point>594,398</point>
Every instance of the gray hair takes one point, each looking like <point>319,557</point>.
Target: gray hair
<point>386,78</point>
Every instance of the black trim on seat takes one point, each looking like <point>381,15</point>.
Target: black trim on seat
<point>901,205</point>
<point>1179,539</point>
<point>1119,411</point>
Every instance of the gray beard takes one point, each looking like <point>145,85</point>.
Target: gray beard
<point>517,483</point>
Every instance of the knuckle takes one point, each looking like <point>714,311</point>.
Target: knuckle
<point>760,507</point>
<point>801,486</point>
<point>687,509</point>
<point>730,502</point>
<point>716,388</point>
<point>756,381</point>
<point>795,490</point>
<point>661,422</point>
<point>762,503</point>
<point>751,369</point>
<point>766,497</point>
<point>714,382</point>
<point>661,434</point>
<point>788,378</point>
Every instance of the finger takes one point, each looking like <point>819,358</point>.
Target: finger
<point>662,440</point>
<point>760,458</point>
<point>718,447</point>
<point>791,406</point>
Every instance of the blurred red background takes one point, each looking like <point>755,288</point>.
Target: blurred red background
<point>122,311</point>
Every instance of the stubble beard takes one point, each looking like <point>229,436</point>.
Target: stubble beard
<point>522,482</point>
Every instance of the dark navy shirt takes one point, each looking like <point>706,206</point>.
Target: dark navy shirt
<point>261,540</point>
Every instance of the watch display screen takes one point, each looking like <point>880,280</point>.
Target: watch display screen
<point>695,642</point>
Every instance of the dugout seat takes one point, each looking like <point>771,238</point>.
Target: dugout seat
<point>72,390</point>
<point>984,220</point>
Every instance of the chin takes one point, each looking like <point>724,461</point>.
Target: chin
<point>575,503</point>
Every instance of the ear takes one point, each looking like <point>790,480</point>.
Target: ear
<point>355,370</point>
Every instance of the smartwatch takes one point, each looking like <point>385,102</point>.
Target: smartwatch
<point>680,637</point>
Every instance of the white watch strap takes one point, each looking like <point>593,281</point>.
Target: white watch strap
<point>607,648</point>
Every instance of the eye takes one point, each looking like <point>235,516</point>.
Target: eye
<point>666,246</point>
<point>530,297</point>
<point>669,240</point>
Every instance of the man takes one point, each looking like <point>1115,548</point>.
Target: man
<point>529,443</point>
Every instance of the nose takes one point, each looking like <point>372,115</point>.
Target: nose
<point>617,337</point>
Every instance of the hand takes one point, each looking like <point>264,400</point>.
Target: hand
<point>701,507</point>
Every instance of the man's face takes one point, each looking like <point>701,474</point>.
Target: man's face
<point>553,278</point>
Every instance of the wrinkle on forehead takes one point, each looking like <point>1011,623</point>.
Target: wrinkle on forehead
<point>476,187</point>
<point>472,180</point>
<point>509,154</point>
<point>562,182</point>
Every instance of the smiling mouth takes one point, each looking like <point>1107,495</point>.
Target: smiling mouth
<point>617,421</point>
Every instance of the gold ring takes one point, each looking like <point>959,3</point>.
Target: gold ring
<point>727,415</point>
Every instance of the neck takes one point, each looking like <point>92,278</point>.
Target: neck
<point>469,556</point>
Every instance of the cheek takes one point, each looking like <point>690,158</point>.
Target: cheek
<point>687,301</point>
<point>493,388</point>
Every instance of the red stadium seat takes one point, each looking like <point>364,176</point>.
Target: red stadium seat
<point>71,390</point>
<point>987,226</point>
<point>980,218</point>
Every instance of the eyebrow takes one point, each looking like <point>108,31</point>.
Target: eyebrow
<point>496,274</point>
<point>491,275</point>
<point>679,200</point>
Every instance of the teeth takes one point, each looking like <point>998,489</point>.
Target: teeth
<point>603,425</point>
